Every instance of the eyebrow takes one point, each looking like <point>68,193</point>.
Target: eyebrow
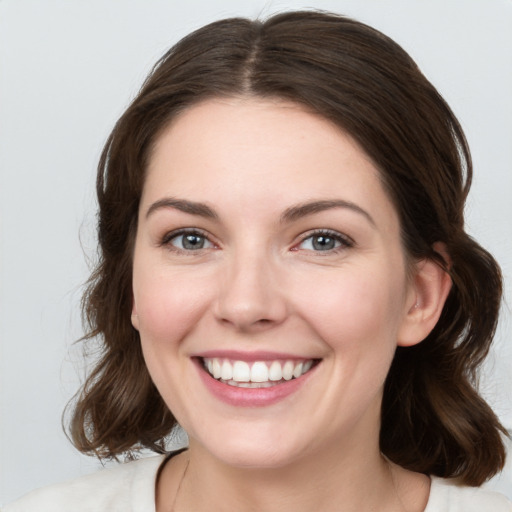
<point>302,210</point>
<point>289,215</point>
<point>183,205</point>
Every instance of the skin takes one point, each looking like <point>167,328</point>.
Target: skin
<point>259,283</point>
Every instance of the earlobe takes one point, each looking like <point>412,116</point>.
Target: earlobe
<point>135,316</point>
<point>430,288</point>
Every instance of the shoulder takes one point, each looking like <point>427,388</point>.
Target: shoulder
<point>126,487</point>
<point>448,495</point>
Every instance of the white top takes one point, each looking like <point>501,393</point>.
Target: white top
<point>130,487</point>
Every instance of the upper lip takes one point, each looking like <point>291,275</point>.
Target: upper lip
<point>257,355</point>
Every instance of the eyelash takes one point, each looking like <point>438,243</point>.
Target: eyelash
<point>169,237</point>
<point>344,242</point>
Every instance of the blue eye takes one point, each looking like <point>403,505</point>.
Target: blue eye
<point>189,241</point>
<point>324,241</point>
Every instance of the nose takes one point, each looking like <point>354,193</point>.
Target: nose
<point>250,296</point>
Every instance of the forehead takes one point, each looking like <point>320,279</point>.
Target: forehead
<point>260,152</point>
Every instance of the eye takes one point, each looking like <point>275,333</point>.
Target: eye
<point>324,241</point>
<point>188,240</point>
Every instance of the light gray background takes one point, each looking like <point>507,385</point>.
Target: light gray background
<point>67,71</point>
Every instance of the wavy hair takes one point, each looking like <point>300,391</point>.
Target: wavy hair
<point>433,419</point>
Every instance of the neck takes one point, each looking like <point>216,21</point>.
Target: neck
<point>354,481</point>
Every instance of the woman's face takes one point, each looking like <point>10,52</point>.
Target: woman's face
<point>267,254</point>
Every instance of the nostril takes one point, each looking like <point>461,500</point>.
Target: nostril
<point>248,325</point>
<point>264,323</point>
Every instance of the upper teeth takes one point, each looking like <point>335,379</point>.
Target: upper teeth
<point>259,371</point>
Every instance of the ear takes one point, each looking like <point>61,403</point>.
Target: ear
<point>429,289</point>
<point>135,316</point>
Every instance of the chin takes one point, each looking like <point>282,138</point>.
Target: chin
<point>257,451</point>
<point>256,457</point>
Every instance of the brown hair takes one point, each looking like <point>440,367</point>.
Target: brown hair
<point>433,419</point>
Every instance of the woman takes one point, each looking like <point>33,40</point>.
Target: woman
<point>284,272</point>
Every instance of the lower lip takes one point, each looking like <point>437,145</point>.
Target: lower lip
<point>251,397</point>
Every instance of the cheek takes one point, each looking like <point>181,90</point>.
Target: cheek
<point>168,305</point>
<point>355,308</point>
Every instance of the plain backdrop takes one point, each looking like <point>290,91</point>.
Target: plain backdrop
<point>67,71</point>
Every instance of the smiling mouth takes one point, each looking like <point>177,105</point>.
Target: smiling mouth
<point>257,374</point>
